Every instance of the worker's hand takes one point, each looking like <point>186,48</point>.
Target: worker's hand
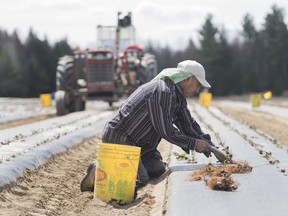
<point>202,146</point>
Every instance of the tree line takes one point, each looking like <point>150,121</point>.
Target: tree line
<point>254,61</point>
<point>29,69</point>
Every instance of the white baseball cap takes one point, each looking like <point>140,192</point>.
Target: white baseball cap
<point>196,69</point>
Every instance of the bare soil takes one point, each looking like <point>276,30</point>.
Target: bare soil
<point>54,189</point>
<point>269,124</point>
<point>19,122</point>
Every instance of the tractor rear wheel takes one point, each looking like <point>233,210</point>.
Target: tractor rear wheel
<point>66,76</point>
<point>66,83</point>
<point>147,68</point>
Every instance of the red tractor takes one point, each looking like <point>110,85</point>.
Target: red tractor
<point>116,69</point>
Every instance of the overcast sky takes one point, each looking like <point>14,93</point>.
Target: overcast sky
<point>167,21</point>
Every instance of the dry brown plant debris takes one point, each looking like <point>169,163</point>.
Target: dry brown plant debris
<point>218,177</point>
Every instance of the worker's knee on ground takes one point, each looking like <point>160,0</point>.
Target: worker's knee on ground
<point>155,168</point>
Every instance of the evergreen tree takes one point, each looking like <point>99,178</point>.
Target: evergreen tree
<point>9,66</point>
<point>35,74</point>
<point>40,67</point>
<point>215,56</point>
<point>228,79</point>
<point>249,30</point>
<point>208,47</point>
<point>62,48</point>
<point>275,35</point>
<point>9,82</point>
<point>251,65</point>
<point>191,52</point>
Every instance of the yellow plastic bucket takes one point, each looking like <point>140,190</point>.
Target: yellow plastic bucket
<point>205,99</point>
<point>116,172</point>
<point>45,100</point>
<point>267,95</point>
<point>255,100</point>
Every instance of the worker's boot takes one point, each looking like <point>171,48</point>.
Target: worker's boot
<point>87,183</point>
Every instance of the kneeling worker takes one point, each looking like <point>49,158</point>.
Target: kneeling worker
<point>156,110</point>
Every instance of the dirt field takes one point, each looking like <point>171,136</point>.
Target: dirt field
<point>25,121</point>
<point>274,126</point>
<point>54,189</point>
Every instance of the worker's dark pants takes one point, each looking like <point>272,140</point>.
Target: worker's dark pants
<point>151,168</point>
